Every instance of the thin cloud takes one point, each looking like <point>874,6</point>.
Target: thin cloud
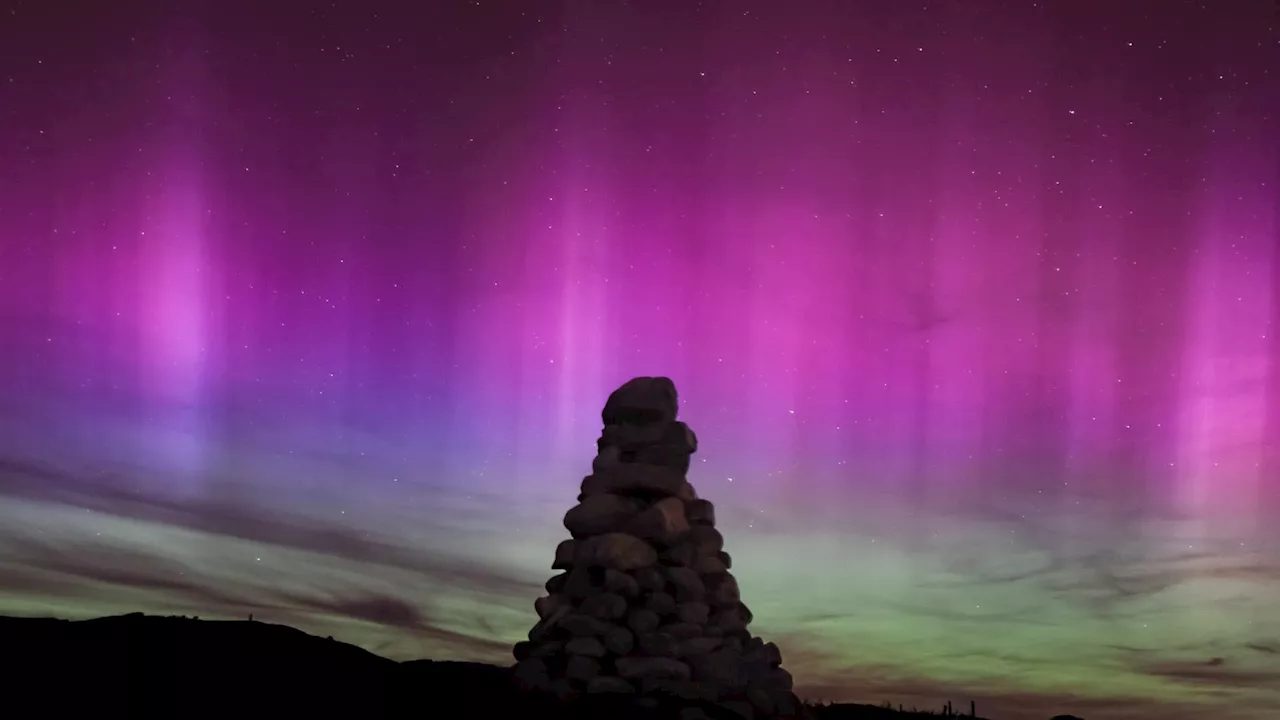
<point>114,495</point>
<point>1214,672</point>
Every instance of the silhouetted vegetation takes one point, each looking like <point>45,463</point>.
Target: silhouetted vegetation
<point>148,666</point>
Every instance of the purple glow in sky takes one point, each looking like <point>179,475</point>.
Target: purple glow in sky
<point>310,311</point>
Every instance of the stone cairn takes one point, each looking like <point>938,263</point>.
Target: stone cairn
<point>646,605</point>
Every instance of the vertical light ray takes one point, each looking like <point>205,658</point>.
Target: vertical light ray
<point>175,280</point>
<point>584,314</point>
<point>1218,457</point>
<point>177,267</point>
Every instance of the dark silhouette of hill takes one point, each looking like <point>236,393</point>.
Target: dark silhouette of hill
<point>149,666</point>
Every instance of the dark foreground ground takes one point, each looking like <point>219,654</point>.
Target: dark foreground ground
<point>139,666</point>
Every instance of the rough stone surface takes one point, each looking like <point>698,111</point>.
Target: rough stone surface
<point>600,514</point>
<point>663,522</point>
<point>618,551</point>
<point>642,401</point>
<point>639,481</point>
<point>564,556</point>
<point>646,604</point>
<point>548,604</point>
<point>701,512</point>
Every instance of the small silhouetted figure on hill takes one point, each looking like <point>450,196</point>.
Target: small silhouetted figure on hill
<point>250,617</point>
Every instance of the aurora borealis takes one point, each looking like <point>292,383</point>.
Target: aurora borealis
<point>308,310</point>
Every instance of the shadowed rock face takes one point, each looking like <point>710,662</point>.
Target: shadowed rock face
<point>642,401</point>
<point>646,605</point>
<point>640,427</point>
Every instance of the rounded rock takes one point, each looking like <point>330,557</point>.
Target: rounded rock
<point>585,646</point>
<point>658,645</point>
<point>631,668</point>
<point>619,641</point>
<point>607,606</point>
<point>619,551</point>
<point>604,685</point>
<point>643,621</point>
<point>616,581</point>
<point>693,612</point>
<point>599,514</point>
<point>660,603</point>
<point>707,539</point>
<point>581,668</point>
<point>564,556</point>
<point>701,512</point>
<point>686,582</point>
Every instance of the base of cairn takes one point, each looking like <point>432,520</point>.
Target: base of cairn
<point>647,611</point>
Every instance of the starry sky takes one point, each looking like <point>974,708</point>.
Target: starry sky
<point>308,309</point>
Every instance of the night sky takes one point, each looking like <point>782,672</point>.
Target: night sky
<point>309,310</point>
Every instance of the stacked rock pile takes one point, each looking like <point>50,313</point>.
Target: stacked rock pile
<point>646,604</point>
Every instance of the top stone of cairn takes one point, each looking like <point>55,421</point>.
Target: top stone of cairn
<point>642,401</point>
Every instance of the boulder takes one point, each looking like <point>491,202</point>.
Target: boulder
<point>660,603</point>
<point>532,675</point>
<point>619,551</point>
<point>620,583</point>
<point>720,667</point>
<point>585,646</point>
<point>562,688</point>
<point>643,621</point>
<point>581,583</point>
<point>663,522</point>
<point>681,630</point>
<point>780,678</point>
<point>636,667</point>
<point>643,481</point>
<point>701,512</point>
<point>543,629</point>
<point>724,591</point>
<point>609,685</point>
<point>581,668</point>
<point>681,554</point>
<point>555,584</point>
<point>673,449</point>
<point>599,514</point>
<point>698,646</point>
<point>686,582</point>
<point>658,645</point>
<point>642,401</point>
<point>771,654</point>
<point>706,539</point>
<point>761,700</point>
<point>693,612</point>
<point>548,604</point>
<point>709,565</point>
<point>608,456</point>
<point>650,579</point>
<point>564,556</point>
<point>522,650</point>
<point>546,649</point>
<point>628,438</point>
<point>729,620</point>
<point>619,641</point>
<point>683,689</point>
<point>606,606</point>
<point>580,625</point>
